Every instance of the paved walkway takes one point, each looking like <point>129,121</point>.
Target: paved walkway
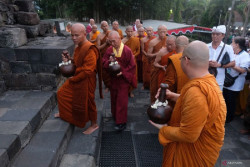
<point>146,148</point>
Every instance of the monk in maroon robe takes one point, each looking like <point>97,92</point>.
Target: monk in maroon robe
<point>120,83</point>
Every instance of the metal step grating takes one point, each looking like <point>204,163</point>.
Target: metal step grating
<point>148,150</point>
<point>117,150</point>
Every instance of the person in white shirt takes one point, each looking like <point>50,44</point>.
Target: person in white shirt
<point>218,33</point>
<point>242,61</point>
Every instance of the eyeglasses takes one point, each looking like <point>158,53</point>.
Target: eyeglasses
<point>184,57</point>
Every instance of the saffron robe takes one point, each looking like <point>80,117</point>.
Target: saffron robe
<point>105,74</point>
<point>163,62</point>
<point>195,132</point>
<point>154,71</point>
<point>134,44</point>
<point>76,97</point>
<point>120,85</point>
<point>174,76</point>
<point>146,67</point>
<point>94,36</point>
<point>139,62</point>
<point>120,33</point>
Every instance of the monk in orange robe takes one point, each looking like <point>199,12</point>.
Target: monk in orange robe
<point>195,133</point>
<point>115,26</point>
<point>146,66</point>
<point>134,44</point>
<point>76,97</point>
<point>103,44</point>
<point>174,75</point>
<point>140,35</point>
<point>161,59</point>
<point>154,47</point>
<point>93,34</point>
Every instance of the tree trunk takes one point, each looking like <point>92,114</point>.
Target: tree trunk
<point>246,20</point>
<point>229,21</point>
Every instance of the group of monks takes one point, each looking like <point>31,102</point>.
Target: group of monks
<point>195,133</point>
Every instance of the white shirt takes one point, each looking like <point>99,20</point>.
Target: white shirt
<point>241,60</point>
<point>214,54</point>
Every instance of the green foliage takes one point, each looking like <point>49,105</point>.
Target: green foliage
<point>199,12</point>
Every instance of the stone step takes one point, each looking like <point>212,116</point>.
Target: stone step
<point>21,114</point>
<point>48,144</point>
<point>83,150</point>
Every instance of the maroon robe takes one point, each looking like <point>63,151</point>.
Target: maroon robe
<point>119,86</point>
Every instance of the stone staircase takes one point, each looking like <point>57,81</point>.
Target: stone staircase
<point>33,66</point>
<point>31,136</point>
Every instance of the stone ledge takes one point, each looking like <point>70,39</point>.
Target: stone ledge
<point>77,160</point>
<point>24,113</point>
<point>47,146</point>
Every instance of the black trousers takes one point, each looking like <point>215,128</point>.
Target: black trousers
<point>230,98</point>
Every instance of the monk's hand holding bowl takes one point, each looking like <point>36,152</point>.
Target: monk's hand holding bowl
<point>158,126</point>
<point>111,58</point>
<point>164,67</point>
<point>119,74</point>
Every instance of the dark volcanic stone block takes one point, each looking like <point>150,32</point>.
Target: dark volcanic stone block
<point>11,143</point>
<point>20,67</point>
<point>35,55</point>
<point>7,54</point>
<point>28,18</point>
<point>12,37</point>
<point>31,115</point>
<point>21,54</point>
<point>31,31</point>
<point>42,150</point>
<point>45,27</point>
<point>4,159</point>
<point>26,6</point>
<point>42,68</point>
<point>46,79</point>
<point>17,80</point>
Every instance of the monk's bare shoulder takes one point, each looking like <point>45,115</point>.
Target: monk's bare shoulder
<point>153,42</point>
<point>124,40</point>
<point>162,52</point>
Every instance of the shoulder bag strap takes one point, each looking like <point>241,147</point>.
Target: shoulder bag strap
<point>221,52</point>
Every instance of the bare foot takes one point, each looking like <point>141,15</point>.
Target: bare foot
<point>91,129</point>
<point>57,115</point>
<point>142,88</point>
<point>106,90</point>
<point>131,95</point>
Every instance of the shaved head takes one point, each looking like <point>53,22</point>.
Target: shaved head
<point>162,31</point>
<point>79,26</point>
<point>198,53</point>
<point>129,31</point>
<point>149,28</point>
<point>162,27</point>
<point>171,43</point>
<point>129,28</point>
<point>115,39</point>
<point>181,42</point>
<point>78,33</point>
<point>104,26</point>
<point>104,23</point>
<point>171,37</point>
<point>114,34</point>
